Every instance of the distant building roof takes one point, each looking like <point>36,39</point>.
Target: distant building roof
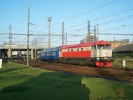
<point>124,48</point>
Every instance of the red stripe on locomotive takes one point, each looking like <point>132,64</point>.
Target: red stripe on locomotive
<point>77,54</point>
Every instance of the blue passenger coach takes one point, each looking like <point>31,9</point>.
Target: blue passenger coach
<point>51,54</point>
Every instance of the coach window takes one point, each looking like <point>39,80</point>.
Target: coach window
<point>77,49</point>
<point>53,53</point>
<point>81,49</point>
<point>71,49</point>
<point>47,53</point>
<point>68,50</point>
<point>44,54</point>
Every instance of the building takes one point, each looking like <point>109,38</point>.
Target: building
<point>90,38</point>
<point>118,43</point>
<point>124,50</point>
<point>3,55</point>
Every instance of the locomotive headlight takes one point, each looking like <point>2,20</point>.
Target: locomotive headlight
<point>105,58</point>
<point>98,58</point>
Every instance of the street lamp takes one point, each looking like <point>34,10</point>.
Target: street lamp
<point>49,40</point>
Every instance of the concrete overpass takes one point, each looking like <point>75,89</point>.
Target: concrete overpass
<point>13,50</point>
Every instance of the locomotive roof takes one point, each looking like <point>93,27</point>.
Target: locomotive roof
<point>102,42</point>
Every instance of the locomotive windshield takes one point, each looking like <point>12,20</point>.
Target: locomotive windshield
<point>100,47</point>
<point>108,47</point>
<point>103,47</point>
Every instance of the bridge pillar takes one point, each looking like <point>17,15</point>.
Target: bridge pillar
<point>35,54</point>
<point>32,54</point>
<point>9,53</point>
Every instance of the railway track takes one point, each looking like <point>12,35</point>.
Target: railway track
<point>113,74</point>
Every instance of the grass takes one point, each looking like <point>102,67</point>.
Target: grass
<point>102,89</point>
<point>118,60</point>
<point>18,82</point>
<point>118,63</point>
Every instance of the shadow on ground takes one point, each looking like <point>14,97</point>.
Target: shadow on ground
<point>48,86</point>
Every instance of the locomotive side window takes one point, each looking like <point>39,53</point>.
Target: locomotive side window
<point>87,48</point>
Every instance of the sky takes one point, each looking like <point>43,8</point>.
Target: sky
<point>111,16</point>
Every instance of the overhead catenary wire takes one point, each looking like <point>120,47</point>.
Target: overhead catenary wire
<point>107,16</point>
<point>119,27</point>
<point>99,18</point>
<point>107,22</point>
<point>93,9</point>
<point>89,11</point>
<point>42,34</point>
<point>77,26</point>
<point>104,23</point>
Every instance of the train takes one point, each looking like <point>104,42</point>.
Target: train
<point>4,55</point>
<point>98,53</point>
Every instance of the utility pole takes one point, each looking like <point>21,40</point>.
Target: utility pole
<point>114,45</point>
<point>35,49</point>
<point>97,33</point>
<point>49,40</point>
<point>94,33</point>
<point>63,37</point>
<point>66,38</point>
<point>88,34</point>
<point>88,28</point>
<point>85,40</point>
<point>28,36</point>
<point>10,43</point>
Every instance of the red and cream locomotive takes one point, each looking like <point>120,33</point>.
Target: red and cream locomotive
<point>97,53</point>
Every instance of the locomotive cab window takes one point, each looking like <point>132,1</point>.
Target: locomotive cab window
<point>94,47</point>
<point>108,47</point>
<point>100,47</point>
